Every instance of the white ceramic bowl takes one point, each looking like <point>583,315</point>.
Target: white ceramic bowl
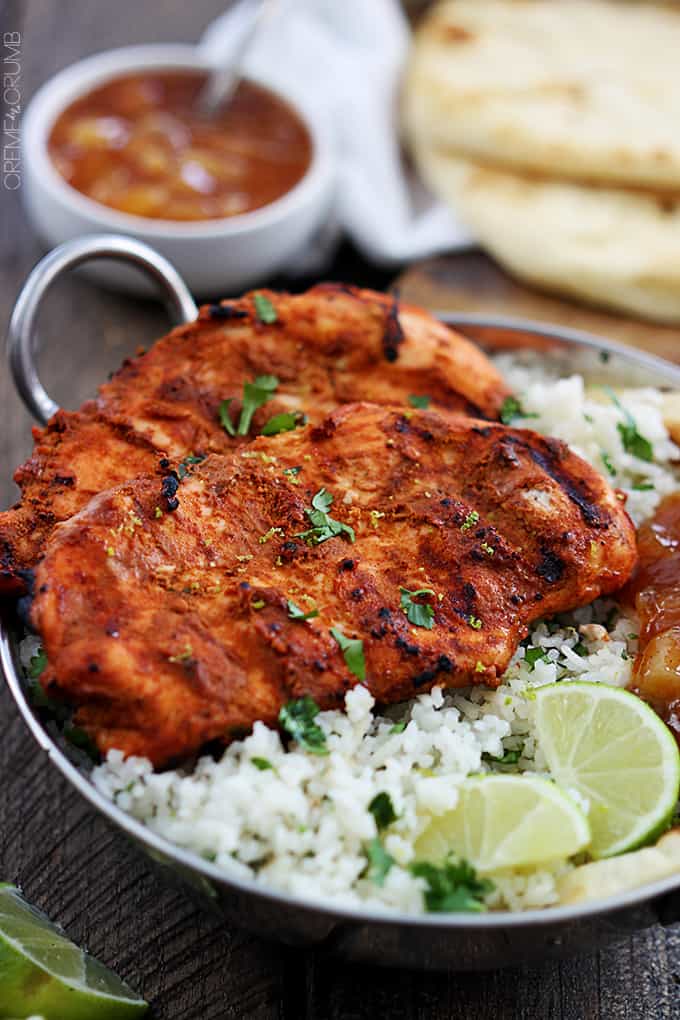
<point>215,257</point>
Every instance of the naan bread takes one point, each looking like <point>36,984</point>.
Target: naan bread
<point>583,89</point>
<point>616,248</point>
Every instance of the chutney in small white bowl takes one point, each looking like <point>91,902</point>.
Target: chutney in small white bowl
<point>114,143</point>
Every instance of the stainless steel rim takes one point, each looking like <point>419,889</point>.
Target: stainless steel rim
<point>21,338</point>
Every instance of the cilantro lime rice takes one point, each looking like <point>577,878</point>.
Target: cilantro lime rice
<point>335,816</point>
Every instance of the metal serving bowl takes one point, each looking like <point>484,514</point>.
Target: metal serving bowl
<point>453,941</point>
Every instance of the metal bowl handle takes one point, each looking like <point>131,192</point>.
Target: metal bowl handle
<point>21,339</point>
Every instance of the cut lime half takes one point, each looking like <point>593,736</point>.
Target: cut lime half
<point>506,822</point>
<point>43,973</point>
<point>614,750</point>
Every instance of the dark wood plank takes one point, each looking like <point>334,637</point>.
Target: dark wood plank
<point>66,858</point>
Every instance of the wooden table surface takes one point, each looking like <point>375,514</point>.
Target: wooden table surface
<point>67,860</point>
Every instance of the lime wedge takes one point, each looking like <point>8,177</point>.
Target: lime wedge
<point>42,972</point>
<point>506,822</point>
<point>614,750</point>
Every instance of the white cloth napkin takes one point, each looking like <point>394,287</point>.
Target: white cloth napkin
<point>346,56</point>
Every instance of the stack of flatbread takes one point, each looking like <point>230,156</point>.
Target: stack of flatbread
<point>553,129</point>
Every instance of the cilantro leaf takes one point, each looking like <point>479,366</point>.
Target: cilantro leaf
<point>295,613</point>
<point>421,402</point>
<point>632,441</point>
<point>225,420</point>
<point>398,727</point>
<point>379,861</point>
<point>285,422</point>
<point>382,809</point>
<point>635,443</point>
<point>512,409</point>
<point>323,526</point>
<point>184,466</point>
<point>255,394</point>
<point>262,763</point>
<point>353,653</point>
<point>297,719</point>
<point>607,461</point>
<point>37,664</point>
<point>322,501</point>
<point>78,737</point>
<point>454,886</point>
<point>533,655</point>
<point>643,487</point>
<point>507,758</point>
<point>264,309</point>
<point>420,614</point>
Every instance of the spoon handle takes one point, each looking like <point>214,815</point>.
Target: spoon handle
<point>248,17</point>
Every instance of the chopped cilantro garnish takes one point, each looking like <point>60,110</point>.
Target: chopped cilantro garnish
<point>632,441</point>
<point>533,655</point>
<point>511,409</point>
<point>323,526</point>
<point>259,604</point>
<point>353,653</point>
<point>643,487</point>
<point>295,613</point>
<point>607,461</point>
<point>508,758</point>
<point>285,422</point>
<point>379,861</point>
<point>297,719</point>
<point>382,809</point>
<point>398,727</point>
<point>453,887</point>
<point>475,622</point>
<point>78,737</point>
<point>184,466</point>
<point>255,394</point>
<point>262,764</point>
<point>225,420</point>
<point>37,664</point>
<point>488,549</point>
<point>470,521</point>
<point>417,401</point>
<point>420,614</point>
<point>580,648</point>
<point>264,309</point>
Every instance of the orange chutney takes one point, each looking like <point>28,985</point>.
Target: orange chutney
<point>655,591</point>
<point>138,145</point>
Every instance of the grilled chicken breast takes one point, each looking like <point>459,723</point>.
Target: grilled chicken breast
<point>332,345</point>
<point>171,612</point>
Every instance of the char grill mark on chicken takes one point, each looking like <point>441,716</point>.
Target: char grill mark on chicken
<point>167,630</point>
<point>329,346</point>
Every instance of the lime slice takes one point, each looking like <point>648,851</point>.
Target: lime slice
<point>614,750</point>
<point>506,822</point>
<point>42,972</point>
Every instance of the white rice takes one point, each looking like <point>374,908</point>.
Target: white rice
<point>302,826</point>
